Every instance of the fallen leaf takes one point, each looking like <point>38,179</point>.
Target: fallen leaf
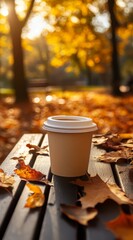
<point>37,149</point>
<point>32,146</point>
<point>129,144</point>
<point>99,139</point>
<point>27,173</point>
<point>117,156</point>
<point>19,158</point>
<point>97,191</point>
<point>108,142</point>
<point>114,142</point>
<point>5,180</point>
<point>122,226</point>
<point>78,214</point>
<point>126,135</point>
<point>36,199</point>
<point>98,105</point>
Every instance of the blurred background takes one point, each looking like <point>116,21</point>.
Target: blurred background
<point>66,43</point>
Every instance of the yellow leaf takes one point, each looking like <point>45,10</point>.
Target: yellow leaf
<point>5,180</point>
<point>36,199</point>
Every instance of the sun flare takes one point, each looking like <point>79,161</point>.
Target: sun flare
<point>3,10</point>
<point>36,26</point>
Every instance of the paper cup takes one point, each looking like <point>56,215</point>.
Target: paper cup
<point>70,140</point>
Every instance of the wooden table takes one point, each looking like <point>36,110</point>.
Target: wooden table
<point>47,222</point>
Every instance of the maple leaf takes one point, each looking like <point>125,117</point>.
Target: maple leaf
<point>36,199</point>
<point>27,173</point>
<point>117,156</point>
<point>122,226</point>
<point>97,191</point>
<point>37,149</point>
<point>5,180</point>
<point>78,214</point>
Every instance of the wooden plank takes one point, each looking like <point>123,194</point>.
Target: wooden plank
<point>102,169</point>
<point>124,173</point>
<point>97,230</point>
<point>24,222</point>
<point>48,222</point>
<point>55,226</point>
<point>8,201</point>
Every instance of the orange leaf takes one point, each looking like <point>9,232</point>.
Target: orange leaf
<point>36,199</point>
<point>122,226</point>
<point>97,191</point>
<point>79,214</point>
<point>27,173</point>
<point>33,146</point>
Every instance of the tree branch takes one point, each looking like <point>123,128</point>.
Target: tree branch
<point>28,13</point>
<point>12,16</point>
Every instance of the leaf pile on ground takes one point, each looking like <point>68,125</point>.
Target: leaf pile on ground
<point>111,114</point>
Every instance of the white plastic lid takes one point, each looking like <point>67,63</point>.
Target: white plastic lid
<point>69,124</point>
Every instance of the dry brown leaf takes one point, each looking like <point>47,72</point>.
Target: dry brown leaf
<point>5,180</point>
<point>122,226</point>
<point>27,173</point>
<point>114,142</point>
<point>36,199</point>
<point>32,146</point>
<point>108,141</point>
<point>117,156</point>
<point>96,191</point>
<point>128,145</point>
<point>78,214</point>
<point>37,149</point>
<point>99,139</point>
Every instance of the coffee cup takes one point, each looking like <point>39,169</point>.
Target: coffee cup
<point>69,140</point>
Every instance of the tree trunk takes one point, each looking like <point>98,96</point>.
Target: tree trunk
<point>89,76</point>
<point>19,79</point>
<point>16,26</point>
<point>116,78</point>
